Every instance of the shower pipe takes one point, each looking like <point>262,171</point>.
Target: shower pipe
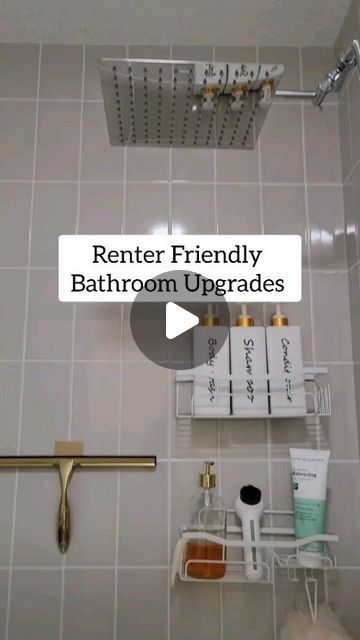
<point>334,80</point>
<point>66,465</point>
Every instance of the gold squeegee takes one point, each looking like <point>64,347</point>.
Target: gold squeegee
<point>66,465</point>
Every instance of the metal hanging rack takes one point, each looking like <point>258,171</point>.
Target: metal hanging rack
<point>317,395</point>
<point>278,547</point>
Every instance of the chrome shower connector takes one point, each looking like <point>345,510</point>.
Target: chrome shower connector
<point>335,79</point>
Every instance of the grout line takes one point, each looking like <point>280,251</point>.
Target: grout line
<point>118,488</point>
<point>317,421</point>
<point>308,228</point>
<point>170,415</point>
<point>73,335</point>
<point>327,272</point>
<point>170,410</point>
<point>268,422</point>
<point>355,166</point>
<point>354,266</point>
<point>52,100</point>
<point>142,360</point>
<point>84,567</point>
<point>121,378</point>
<point>241,460</point>
<point>169,471</point>
<point>216,226</point>
<point>26,313</point>
<point>219,474</point>
<point>338,363</point>
<point>279,101</point>
<point>77,224</point>
<point>71,43</point>
<point>347,92</point>
<point>177,182</point>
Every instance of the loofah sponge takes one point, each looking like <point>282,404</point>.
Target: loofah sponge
<point>300,626</point>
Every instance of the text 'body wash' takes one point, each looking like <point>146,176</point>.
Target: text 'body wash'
<point>211,386</point>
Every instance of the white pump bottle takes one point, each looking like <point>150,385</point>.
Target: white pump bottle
<point>248,367</point>
<point>285,364</point>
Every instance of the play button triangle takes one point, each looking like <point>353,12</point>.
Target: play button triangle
<point>178,320</point>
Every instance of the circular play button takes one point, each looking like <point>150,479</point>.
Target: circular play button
<point>176,323</point>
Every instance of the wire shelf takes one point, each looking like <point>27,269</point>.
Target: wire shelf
<point>317,396</point>
<point>278,548</point>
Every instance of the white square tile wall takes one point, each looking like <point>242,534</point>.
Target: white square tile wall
<point>74,371</point>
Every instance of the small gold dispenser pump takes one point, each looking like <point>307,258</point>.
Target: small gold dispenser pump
<point>279,319</point>
<point>210,320</point>
<point>68,458</point>
<point>244,320</point>
<point>208,479</point>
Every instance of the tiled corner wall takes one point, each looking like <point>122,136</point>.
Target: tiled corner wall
<point>75,372</point>
<point>349,123</point>
<point>347,583</point>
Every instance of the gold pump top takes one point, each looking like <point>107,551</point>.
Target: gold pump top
<point>210,320</point>
<point>244,319</point>
<point>279,319</point>
<point>207,479</point>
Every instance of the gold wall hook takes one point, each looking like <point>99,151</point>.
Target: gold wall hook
<point>66,465</point>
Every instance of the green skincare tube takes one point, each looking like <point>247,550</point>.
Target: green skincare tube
<point>309,478</point>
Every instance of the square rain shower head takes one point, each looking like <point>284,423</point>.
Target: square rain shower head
<point>165,103</point>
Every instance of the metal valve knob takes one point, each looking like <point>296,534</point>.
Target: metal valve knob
<point>209,96</point>
<point>239,95</point>
<point>266,95</point>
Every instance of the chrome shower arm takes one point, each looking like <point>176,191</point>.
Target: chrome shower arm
<point>334,80</point>
<point>295,93</point>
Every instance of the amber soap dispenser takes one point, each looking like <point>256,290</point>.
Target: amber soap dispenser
<point>208,515</point>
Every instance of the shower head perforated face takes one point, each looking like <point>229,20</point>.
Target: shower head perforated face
<point>176,103</point>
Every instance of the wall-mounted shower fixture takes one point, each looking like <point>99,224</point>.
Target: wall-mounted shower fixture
<point>200,104</point>
<point>186,104</point>
<point>66,465</point>
<point>334,80</point>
